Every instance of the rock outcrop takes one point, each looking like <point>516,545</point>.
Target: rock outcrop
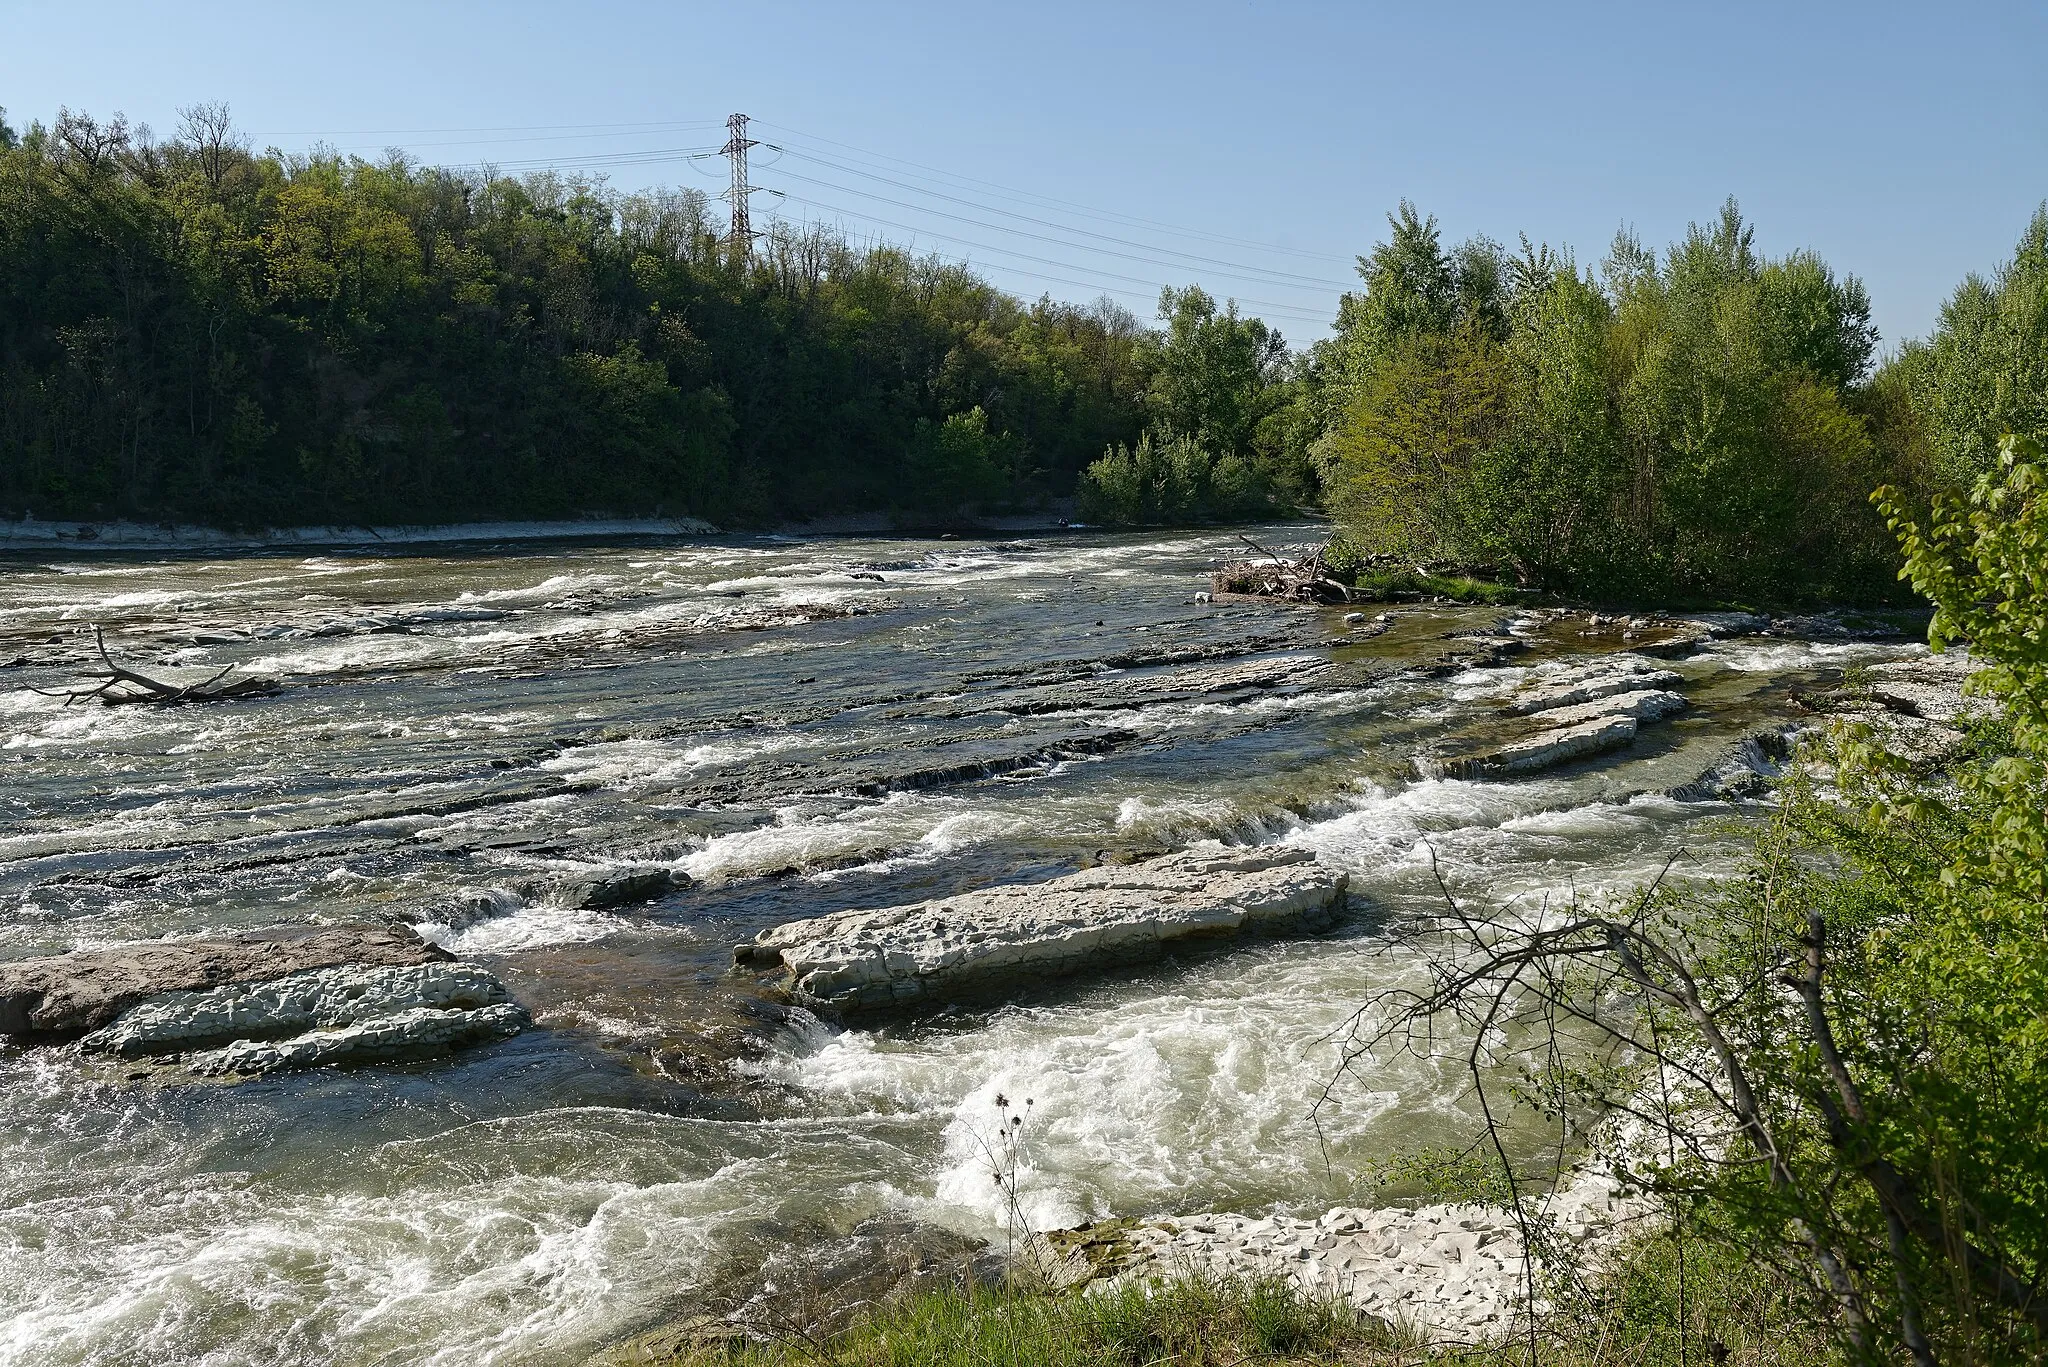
<point>70,994</point>
<point>322,999</point>
<point>397,1035</point>
<point>1604,680</point>
<point>259,1003</point>
<point>1916,707</point>
<point>1584,713</point>
<point>930,952</point>
<point>1456,1272</point>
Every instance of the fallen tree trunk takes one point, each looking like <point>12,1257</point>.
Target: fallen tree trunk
<point>122,685</point>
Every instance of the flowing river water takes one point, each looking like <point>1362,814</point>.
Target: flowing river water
<point>800,726</point>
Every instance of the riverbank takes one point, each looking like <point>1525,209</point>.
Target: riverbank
<point>30,534</point>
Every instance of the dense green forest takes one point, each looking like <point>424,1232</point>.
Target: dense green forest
<point>191,331</point>
<point>1707,423</point>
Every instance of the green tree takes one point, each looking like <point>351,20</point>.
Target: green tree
<point>1985,372</point>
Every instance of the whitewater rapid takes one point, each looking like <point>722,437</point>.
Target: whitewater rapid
<point>788,726</point>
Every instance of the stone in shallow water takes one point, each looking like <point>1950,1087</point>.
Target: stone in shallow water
<point>929,951</point>
<point>321,999</point>
<point>1552,748</point>
<point>72,993</point>
<point>1644,705</point>
<point>1606,681</point>
<point>401,1034</point>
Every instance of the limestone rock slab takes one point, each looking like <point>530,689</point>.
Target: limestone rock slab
<point>1624,676</point>
<point>318,999</point>
<point>929,951</point>
<point>70,994</point>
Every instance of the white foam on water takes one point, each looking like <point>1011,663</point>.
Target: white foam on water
<point>535,1238</point>
<point>643,763</point>
<point>1762,656</point>
<point>918,826</point>
<point>524,927</point>
<point>1194,1093</point>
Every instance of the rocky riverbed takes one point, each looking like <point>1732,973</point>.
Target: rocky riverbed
<point>1085,839</point>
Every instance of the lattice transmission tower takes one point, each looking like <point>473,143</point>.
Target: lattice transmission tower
<point>736,146</point>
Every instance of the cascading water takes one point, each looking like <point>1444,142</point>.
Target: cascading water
<point>797,727</point>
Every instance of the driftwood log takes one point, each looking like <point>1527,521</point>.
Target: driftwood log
<point>1307,580</point>
<point>122,685</point>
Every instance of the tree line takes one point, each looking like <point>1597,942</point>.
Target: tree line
<point>193,331</point>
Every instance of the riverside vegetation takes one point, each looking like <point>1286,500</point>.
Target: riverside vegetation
<point>196,332</point>
<point>1845,1045</point>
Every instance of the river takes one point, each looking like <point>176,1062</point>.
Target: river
<point>799,726</point>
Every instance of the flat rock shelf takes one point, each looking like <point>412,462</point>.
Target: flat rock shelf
<point>931,952</point>
<point>1455,1273</point>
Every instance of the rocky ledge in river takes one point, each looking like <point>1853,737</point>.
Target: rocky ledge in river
<point>931,952</point>
<point>1583,713</point>
<point>258,1003</point>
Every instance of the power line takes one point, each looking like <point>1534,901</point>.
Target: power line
<point>1041,237</point>
<point>1290,311</point>
<point>1080,210</point>
<point>509,128</point>
<point>1281,277</point>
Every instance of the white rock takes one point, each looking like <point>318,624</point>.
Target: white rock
<point>322,998</point>
<point>1626,676</point>
<point>1648,704</point>
<point>1549,749</point>
<point>1084,921</point>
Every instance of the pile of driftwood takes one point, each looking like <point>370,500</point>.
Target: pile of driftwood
<point>121,685</point>
<point>1307,580</point>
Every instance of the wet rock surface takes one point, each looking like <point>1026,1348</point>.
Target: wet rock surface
<point>327,1000</point>
<point>1587,711</point>
<point>70,994</point>
<point>1086,921</point>
<point>1917,706</point>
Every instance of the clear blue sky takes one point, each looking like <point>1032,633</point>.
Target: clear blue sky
<point>1906,143</point>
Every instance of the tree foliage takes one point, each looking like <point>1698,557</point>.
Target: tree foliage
<point>1985,371</point>
<point>1691,425</point>
<point>1216,443</point>
<point>192,331</point>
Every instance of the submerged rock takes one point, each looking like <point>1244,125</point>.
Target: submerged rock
<point>70,994</point>
<point>931,951</point>
<point>1744,770</point>
<point>617,888</point>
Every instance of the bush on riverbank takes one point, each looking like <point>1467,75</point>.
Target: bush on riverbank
<point>1835,1067</point>
<point>1687,426</point>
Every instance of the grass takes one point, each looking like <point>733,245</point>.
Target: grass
<point>1734,1314</point>
<point>1185,1324</point>
<point>1379,587</point>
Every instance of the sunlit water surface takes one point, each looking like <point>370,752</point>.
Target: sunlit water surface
<point>798,736</point>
